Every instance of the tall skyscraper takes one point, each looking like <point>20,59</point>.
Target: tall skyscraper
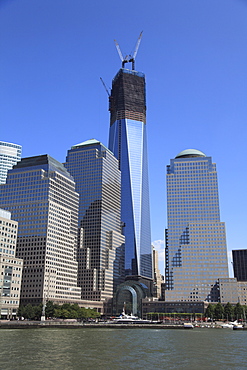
<point>40,194</point>
<point>10,267</point>
<point>240,264</point>
<point>10,154</point>
<point>196,253</point>
<point>101,243</point>
<point>127,140</point>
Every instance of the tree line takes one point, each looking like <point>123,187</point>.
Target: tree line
<point>52,310</point>
<point>228,312</point>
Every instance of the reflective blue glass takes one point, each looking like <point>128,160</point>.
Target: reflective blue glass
<point>127,141</point>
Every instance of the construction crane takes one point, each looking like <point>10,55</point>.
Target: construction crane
<point>129,58</point>
<point>106,89</point>
<point>110,98</point>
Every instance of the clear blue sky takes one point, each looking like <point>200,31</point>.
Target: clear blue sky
<point>194,55</point>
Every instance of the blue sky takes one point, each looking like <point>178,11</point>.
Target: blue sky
<point>194,55</point>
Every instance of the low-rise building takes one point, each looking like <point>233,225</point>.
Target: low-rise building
<point>154,306</point>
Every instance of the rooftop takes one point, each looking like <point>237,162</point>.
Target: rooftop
<point>90,142</point>
<point>189,153</point>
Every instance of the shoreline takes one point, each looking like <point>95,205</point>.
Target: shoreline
<point>81,325</point>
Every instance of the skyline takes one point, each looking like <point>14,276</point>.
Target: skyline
<point>194,58</point>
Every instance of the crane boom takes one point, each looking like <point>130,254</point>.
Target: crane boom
<point>106,89</point>
<point>137,45</point>
<point>129,58</point>
<point>119,51</point>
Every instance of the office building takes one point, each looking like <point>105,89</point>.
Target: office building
<point>233,291</point>
<point>158,277</point>
<point>196,253</point>
<point>127,140</point>
<point>240,264</point>
<point>228,290</point>
<point>10,267</point>
<point>10,154</point>
<point>100,250</point>
<point>242,292</point>
<point>41,196</point>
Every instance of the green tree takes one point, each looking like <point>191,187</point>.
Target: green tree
<point>21,311</point>
<point>49,309</point>
<point>218,311</point>
<point>68,311</point>
<point>83,313</point>
<point>244,312</point>
<point>238,312</point>
<point>29,312</point>
<point>228,311</point>
<point>37,312</point>
<point>210,311</point>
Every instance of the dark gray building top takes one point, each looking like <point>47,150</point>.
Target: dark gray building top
<point>42,161</point>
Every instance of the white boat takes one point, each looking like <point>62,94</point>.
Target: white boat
<point>130,319</point>
<point>188,325</point>
<point>232,325</point>
<point>124,318</point>
<point>237,326</point>
<point>227,325</point>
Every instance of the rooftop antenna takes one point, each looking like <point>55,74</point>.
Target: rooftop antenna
<point>129,58</point>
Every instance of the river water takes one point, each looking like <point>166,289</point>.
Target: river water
<point>87,348</point>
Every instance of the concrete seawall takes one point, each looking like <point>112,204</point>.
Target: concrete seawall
<point>78,325</point>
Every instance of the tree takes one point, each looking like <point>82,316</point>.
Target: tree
<point>210,311</point>
<point>244,312</point>
<point>37,311</point>
<point>21,311</point>
<point>238,312</point>
<point>228,311</point>
<point>218,311</point>
<point>29,312</point>
<point>49,309</point>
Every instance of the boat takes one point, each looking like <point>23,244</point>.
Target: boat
<point>238,326</point>
<point>124,318</point>
<point>232,325</point>
<point>129,319</point>
<point>188,325</point>
<point>227,325</point>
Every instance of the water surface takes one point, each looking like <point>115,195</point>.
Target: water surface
<point>48,348</point>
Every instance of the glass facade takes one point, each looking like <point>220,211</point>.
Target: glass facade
<point>127,140</point>
<point>196,252</point>
<point>240,264</point>
<point>40,194</point>
<point>100,242</point>
<point>10,154</point>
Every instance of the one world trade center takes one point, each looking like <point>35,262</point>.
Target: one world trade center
<point>127,140</point>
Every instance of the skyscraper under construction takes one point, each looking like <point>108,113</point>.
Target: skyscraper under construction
<point>127,140</point>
